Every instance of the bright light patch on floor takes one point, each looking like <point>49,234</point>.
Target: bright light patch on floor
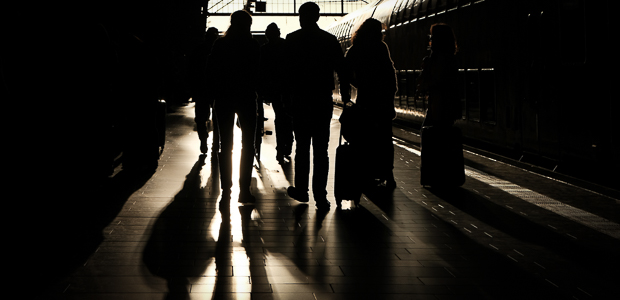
<point>580,216</point>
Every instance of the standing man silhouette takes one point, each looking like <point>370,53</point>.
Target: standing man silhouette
<point>233,69</point>
<point>203,98</point>
<point>271,89</point>
<point>313,56</point>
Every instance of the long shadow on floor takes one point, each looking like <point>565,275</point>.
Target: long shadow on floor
<point>586,259</point>
<point>179,245</point>
<point>71,224</point>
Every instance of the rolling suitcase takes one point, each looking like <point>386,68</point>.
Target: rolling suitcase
<point>442,157</point>
<point>347,179</point>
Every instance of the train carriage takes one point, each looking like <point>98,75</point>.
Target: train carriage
<point>534,74</point>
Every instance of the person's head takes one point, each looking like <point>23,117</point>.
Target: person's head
<point>443,39</point>
<point>240,24</point>
<point>272,32</point>
<point>308,14</point>
<point>212,33</point>
<point>371,31</point>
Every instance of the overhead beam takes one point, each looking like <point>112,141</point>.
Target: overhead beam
<point>279,14</point>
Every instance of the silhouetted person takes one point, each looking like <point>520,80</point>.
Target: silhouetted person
<point>374,77</point>
<point>441,160</point>
<point>271,89</point>
<point>233,67</point>
<point>314,55</point>
<point>439,78</point>
<point>203,99</point>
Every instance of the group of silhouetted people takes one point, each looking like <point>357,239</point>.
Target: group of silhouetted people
<point>296,75</point>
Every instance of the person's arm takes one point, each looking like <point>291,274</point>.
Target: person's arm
<point>343,72</point>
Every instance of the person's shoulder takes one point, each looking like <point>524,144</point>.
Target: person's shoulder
<point>279,41</point>
<point>218,41</point>
<point>294,34</point>
<point>326,35</point>
<point>254,42</point>
<point>221,41</point>
<point>384,45</point>
<point>217,44</point>
<point>351,51</point>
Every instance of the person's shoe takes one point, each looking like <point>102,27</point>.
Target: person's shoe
<point>390,184</point>
<point>246,197</point>
<point>297,195</point>
<point>322,204</point>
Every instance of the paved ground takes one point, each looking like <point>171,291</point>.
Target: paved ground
<point>168,236</point>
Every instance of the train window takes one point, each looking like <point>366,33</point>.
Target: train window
<point>452,5</point>
<point>463,92</point>
<point>487,96</point>
<point>404,11</point>
<point>414,10</point>
<point>393,15</point>
<point>464,3</point>
<point>423,10</point>
<point>397,95</point>
<point>397,13</point>
<point>430,10</point>
<point>406,98</point>
<point>442,5</point>
<point>479,101</point>
<point>411,90</point>
<point>472,94</point>
<point>408,10</point>
<point>401,76</point>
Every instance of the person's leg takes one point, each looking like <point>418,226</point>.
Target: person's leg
<point>386,154</point>
<point>247,120</point>
<point>203,112</point>
<point>320,149</point>
<point>284,129</point>
<point>302,161</point>
<point>226,122</point>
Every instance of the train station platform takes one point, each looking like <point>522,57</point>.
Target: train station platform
<point>510,232</point>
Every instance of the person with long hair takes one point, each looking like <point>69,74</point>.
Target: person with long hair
<point>374,77</point>
<point>441,160</point>
<point>233,67</point>
<point>439,78</point>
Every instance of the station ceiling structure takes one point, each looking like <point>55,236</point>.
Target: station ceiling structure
<point>280,7</point>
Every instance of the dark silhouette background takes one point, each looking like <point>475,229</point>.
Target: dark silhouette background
<point>61,66</point>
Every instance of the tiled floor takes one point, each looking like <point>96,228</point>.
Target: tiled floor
<point>170,237</point>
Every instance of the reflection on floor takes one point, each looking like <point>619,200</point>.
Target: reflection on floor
<point>173,236</point>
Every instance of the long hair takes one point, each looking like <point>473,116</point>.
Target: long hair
<point>371,31</point>
<point>443,39</point>
<point>240,24</point>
